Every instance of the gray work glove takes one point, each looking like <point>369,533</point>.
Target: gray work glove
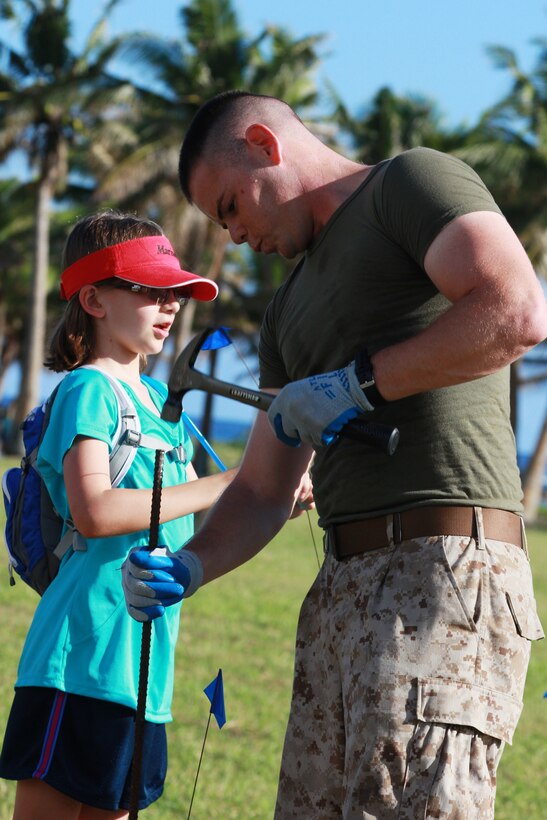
<point>154,580</point>
<point>317,408</point>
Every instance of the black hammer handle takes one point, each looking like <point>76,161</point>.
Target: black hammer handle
<point>371,432</point>
<point>378,435</point>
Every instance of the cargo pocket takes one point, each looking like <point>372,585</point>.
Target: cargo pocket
<point>524,612</point>
<point>464,704</point>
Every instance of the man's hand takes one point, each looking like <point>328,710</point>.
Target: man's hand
<point>317,408</point>
<point>154,580</point>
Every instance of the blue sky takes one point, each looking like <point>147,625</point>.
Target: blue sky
<point>435,48</point>
<point>431,47</point>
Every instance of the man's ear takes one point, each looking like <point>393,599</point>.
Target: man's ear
<point>90,300</point>
<point>260,138</point>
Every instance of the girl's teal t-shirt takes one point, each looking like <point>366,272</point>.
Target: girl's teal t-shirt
<point>82,639</point>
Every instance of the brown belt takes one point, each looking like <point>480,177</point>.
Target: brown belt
<point>357,537</point>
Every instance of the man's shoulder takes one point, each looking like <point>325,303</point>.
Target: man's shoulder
<point>426,172</point>
<point>417,167</point>
<point>422,158</point>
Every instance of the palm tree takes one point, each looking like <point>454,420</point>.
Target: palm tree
<point>509,150</point>
<point>49,99</point>
<point>16,237</point>
<point>533,476</point>
<point>16,225</point>
<point>212,55</point>
<point>392,124</point>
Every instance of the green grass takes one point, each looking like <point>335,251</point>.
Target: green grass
<point>245,623</point>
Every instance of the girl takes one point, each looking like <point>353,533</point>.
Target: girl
<point>69,739</point>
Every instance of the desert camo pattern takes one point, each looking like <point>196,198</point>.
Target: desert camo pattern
<point>409,672</point>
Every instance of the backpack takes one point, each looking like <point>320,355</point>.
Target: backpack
<point>34,529</point>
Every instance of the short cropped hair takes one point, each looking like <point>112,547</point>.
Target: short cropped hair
<point>217,120</point>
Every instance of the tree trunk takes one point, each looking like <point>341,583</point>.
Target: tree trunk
<point>183,332</point>
<point>201,463</point>
<point>532,481</point>
<point>33,352</point>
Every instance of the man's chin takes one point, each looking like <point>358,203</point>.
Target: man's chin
<point>287,253</point>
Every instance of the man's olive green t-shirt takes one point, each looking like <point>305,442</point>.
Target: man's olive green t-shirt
<point>362,284</point>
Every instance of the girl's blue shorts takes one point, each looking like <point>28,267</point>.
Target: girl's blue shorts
<point>83,747</point>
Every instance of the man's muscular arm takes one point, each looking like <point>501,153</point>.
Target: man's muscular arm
<point>498,310</point>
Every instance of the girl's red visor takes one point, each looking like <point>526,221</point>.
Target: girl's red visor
<point>149,260</point>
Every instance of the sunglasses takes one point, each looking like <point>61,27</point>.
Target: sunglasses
<point>158,296</point>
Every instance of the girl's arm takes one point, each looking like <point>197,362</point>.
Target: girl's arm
<point>98,510</point>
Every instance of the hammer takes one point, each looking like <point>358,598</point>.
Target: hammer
<point>184,377</point>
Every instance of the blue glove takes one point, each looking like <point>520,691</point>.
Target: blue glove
<point>317,408</point>
<point>154,580</point>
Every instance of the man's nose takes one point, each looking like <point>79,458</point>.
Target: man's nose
<point>238,234</point>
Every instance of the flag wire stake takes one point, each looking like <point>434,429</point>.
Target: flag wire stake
<point>313,539</point>
<point>243,361</point>
<point>199,766</point>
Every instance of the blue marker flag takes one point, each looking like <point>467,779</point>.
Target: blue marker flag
<point>215,693</point>
<point>217,339</point>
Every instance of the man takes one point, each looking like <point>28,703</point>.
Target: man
<point>411,299</point>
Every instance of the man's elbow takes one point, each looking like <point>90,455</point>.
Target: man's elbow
<point>536,320</point>
<point>530,324</point>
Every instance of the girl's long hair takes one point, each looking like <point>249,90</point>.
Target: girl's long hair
<point>73,341</point>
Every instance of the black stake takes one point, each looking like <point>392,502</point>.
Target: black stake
<point>145,650</point>
<point>199,766</point>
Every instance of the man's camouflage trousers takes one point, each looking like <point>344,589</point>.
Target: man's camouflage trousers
<point>409,672</point>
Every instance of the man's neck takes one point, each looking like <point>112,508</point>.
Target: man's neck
<point>332,194</point>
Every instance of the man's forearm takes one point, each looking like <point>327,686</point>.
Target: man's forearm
<point>478,335</point>
<point>235,530</point>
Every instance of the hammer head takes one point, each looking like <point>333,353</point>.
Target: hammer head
<point>181,379</point>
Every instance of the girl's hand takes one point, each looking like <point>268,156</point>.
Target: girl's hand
<point>303,500</point>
